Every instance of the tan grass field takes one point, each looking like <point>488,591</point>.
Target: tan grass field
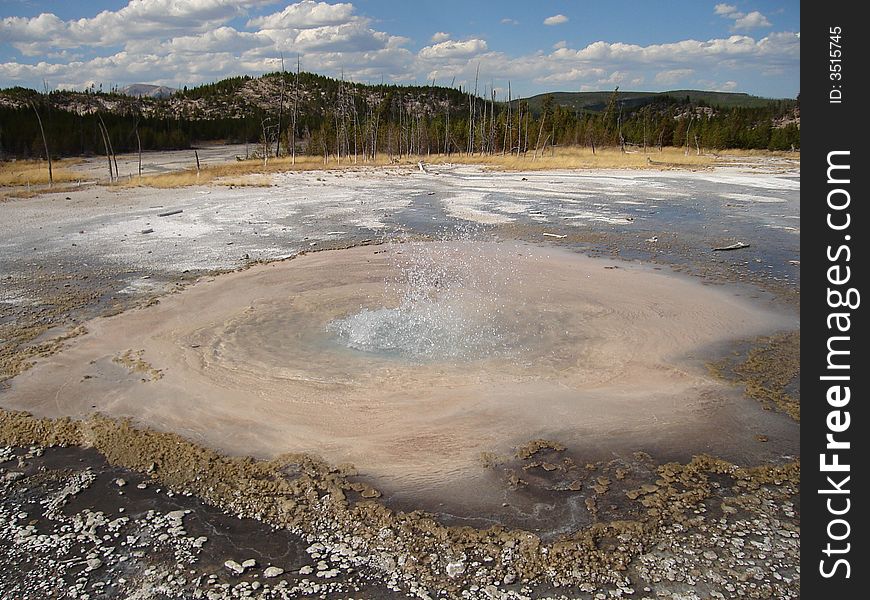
<point>254,172</point>
<point>248,172</point>
<point>35,172</point>
<point>583,158</point>
<point>19,175</point>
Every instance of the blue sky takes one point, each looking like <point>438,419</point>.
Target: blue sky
<point>743,45</point>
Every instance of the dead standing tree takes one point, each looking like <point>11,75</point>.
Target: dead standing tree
<point>44,144</point>
<point>295,109</point>
<point>135,132</point>
<point>105,135</point>
<point>280,109</point>
<point>508,138</point>
<point>472,109</point>
<point>269,132</point>
<point>688,129</point>
<point>110,149</point>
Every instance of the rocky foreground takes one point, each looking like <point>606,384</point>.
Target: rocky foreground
<point>99,509</point>
<point>190,524</point>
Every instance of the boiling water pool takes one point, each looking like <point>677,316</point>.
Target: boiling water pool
<point>410,360</point>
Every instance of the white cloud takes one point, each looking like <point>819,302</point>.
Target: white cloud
<point>615,78</point>
<point>717,86</point>
<point>137,20</point>
<point>194,41</point>
<point>347,37</point>
<point>688,52</point>
<point>507,21</point>
<point>453,49</point>
<point>753,20</point>
<point>222,39</point>
<point>556,20</point>
<point>742,21</point>
<point>573,75</point>
<point>304,15</point>
<point>672,76</point>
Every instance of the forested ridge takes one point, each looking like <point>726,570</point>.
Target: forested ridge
<point>282,113</point>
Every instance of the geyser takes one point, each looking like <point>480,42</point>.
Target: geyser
<point>472,347</point>
<point>446,309</point>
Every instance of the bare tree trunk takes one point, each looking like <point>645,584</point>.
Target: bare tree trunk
<point>339,144</point>
<point>111,148</point>
<point>519,127</point>
<point>619,128</point>
<point>280,109</point>
<point>645,115</point>
<point>355,127</point>
<point>483,125</point>
<point>447,129</point>
<point>45,145</point>
<point>265,142</point>
<point>196,155</point>
<point>491,120</point>
<point>139,145</point>
<point>295,106</point>
<point>688,129</point>
<point>540,132</point>
<point>508,138</point>
<point>105,137</point>
<point>526,137</point>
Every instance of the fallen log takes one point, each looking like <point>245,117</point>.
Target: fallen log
<point>737,246</point>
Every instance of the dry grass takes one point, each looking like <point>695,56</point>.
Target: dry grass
<point>17,193</point>
<point>583,158</point>
<point>735,153</point>
<point>22,173</point>
<point>254,173</point>
<point>251,172</point>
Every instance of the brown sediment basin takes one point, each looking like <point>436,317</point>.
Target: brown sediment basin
<point>592,355</point>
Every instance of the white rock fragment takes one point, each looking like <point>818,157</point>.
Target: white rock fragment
<point>234,567</point>
<point>271,572</point>
<point>328,574</point>
<point>455,568</point>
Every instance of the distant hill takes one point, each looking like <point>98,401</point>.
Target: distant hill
<point>341,117</point>
<point>139,90</point>
<point>597,101</point>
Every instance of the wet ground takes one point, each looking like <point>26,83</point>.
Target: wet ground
<point>71,525</point>
<point>71,256</point>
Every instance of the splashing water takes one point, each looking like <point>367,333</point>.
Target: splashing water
<point>445,310</point>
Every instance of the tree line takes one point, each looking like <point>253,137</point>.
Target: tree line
<point>286,113</point>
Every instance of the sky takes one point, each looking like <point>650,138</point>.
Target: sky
<point>540,46</point>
